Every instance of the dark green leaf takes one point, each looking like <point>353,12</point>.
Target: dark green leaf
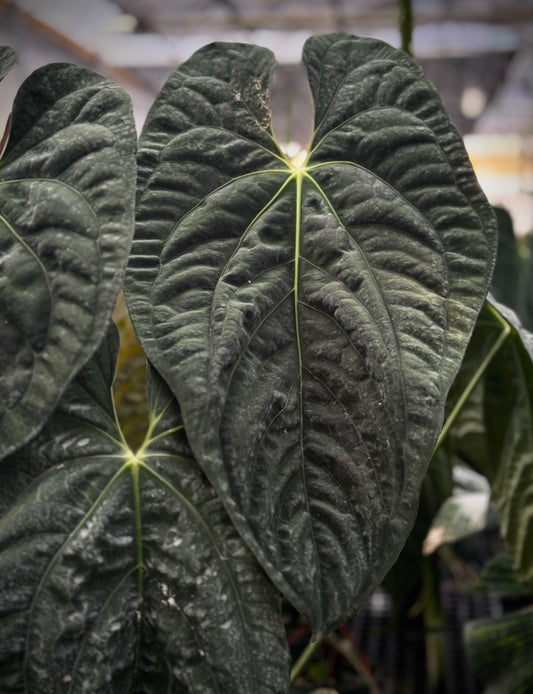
<point>508,412</point>
<point>310,318</point>
<point>526,295</point>
<point>494,432</point>
<point>66,219</point>
<point>499,577</point>
<point>500,650</point>
<point>121,572</point>
<point>507,278</point>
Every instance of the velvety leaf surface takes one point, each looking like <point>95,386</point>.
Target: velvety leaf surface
<point>310,318</point>
<point>122,573</point>
<point>494,432</point>
<point>66,221</point>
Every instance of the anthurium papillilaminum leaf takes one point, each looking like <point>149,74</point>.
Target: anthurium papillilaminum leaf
<point>66,221</point>
<point>121,572</point>
<point>309,316</point>
<point>494,430</point>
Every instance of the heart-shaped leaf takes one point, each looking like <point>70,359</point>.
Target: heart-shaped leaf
<point>122,572</point>
<point>310,317</point>
<point>66,221</point>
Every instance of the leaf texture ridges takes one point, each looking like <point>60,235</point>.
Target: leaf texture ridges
<point>122,573</point>
<point>66,222</point>
<point>310,319</point>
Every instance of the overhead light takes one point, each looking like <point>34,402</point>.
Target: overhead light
<point>121,24</point>
<point>473,101</point>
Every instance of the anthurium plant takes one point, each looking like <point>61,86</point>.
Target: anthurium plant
<point>303,322</point>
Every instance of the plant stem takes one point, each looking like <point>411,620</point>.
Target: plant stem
<point>343,647</point>
<point>434,629</point>
<point>304,659</point>
<point>405,22</point>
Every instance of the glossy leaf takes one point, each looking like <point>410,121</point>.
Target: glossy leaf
<point>310,317</point>
<point>66,221</point>
<point>121,572</point>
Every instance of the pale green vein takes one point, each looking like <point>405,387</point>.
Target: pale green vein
<point>261,212</point>
<point>214,191</point>
<point>134,467</point>
<point>405,201</point>
<point>482,368</point>
<point>299,175</point>
<point>30,250</point>
<point>62,184</point>
<point>379,289</point>
<point>138,530</point>
<point>152,424</point>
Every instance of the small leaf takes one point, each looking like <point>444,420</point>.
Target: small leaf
<point>310,318</point>
<point>8,60</point>
<point>66,219</point>
<point>122,573</point>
